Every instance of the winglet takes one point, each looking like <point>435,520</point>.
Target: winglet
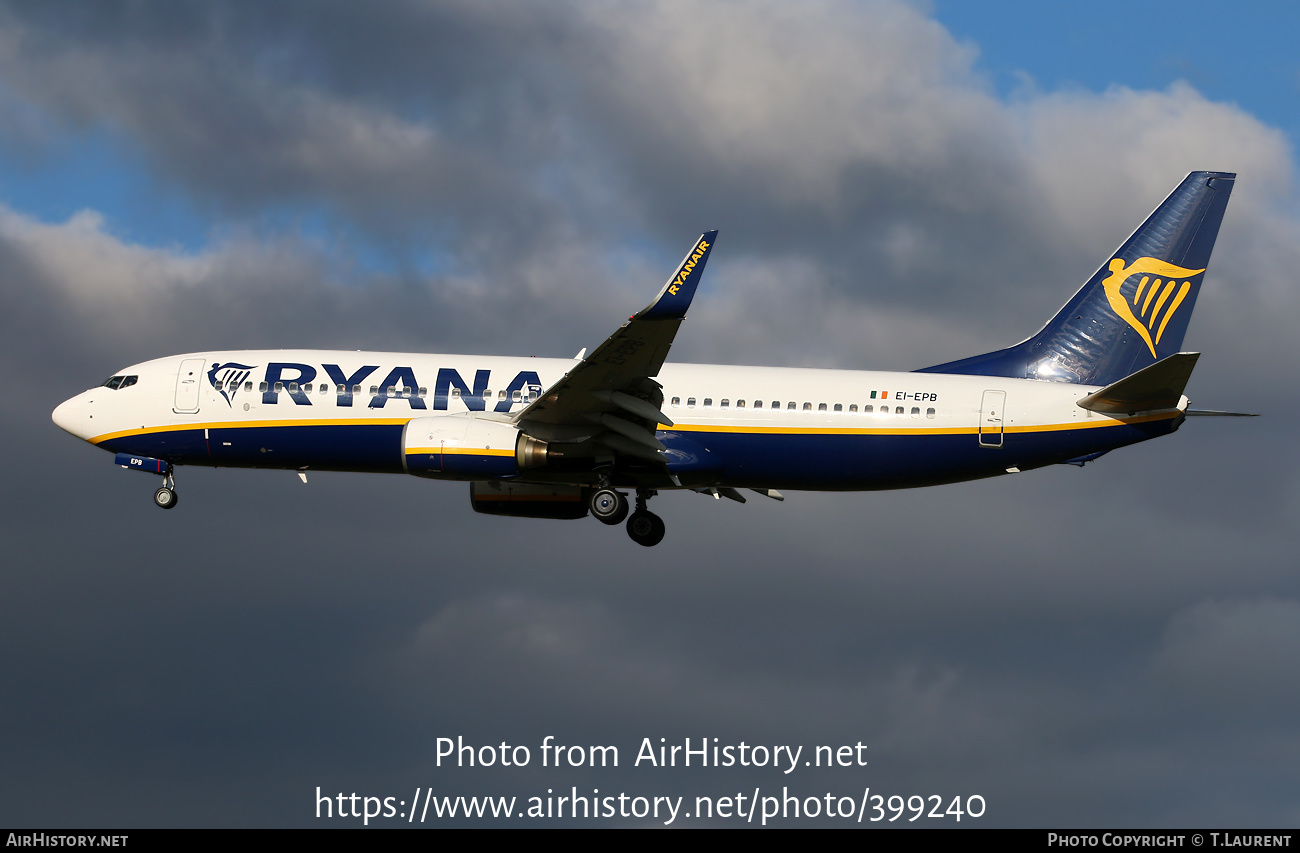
<point>1158,386</point>
<point>676,296</point>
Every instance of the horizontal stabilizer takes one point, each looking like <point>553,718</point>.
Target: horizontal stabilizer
<point>1214,413</point>
<point>1159,386</point>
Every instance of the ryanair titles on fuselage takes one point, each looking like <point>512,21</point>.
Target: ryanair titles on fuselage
<point>400,385</point>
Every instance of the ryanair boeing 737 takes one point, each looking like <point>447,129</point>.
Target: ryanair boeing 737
<point>556,438</point>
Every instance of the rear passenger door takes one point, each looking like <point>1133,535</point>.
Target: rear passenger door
<point>992,410</point>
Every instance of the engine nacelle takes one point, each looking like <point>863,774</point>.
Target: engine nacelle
<point>468,448</point>
<point>525,500</point>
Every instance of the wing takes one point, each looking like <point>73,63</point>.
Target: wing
<point>611,396</point>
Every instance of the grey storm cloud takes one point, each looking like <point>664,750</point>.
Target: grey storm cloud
<point>1061,638</point>
<point>532,146</point>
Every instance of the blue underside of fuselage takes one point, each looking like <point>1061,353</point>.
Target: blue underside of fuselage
<point>760,460</point>
<point>852,462</point>
<point>352,447</point>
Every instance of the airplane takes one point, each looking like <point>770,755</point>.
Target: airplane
<point>567,438</point>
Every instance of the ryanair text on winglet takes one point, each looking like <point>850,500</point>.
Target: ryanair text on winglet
<point>685,272</point>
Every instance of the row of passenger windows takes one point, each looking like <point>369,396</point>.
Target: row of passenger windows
<point>868,409</point>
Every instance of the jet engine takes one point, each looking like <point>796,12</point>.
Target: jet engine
<point>462,447</point>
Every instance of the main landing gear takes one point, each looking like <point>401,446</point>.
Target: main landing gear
<point>646,528</point>
<point>611,507</point>
<point>166,496</point>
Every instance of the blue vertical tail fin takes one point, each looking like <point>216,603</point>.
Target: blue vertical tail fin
<point>1135,309</point>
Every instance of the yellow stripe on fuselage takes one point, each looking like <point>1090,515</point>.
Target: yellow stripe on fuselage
<point>968,430</point>
<point>251,425</point>
<point>714,428</point>
<point>459,451</point>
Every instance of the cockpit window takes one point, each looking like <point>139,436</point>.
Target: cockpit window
<point>119,382</point>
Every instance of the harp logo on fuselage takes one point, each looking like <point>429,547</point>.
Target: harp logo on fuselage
<point>227,378</point>
<point>1151,303</point>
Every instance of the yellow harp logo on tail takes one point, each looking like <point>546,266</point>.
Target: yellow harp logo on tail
<point>1153,296</point>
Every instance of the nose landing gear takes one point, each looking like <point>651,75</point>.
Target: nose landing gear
<point>166,496</point>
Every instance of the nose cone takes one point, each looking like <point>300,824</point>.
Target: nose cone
<point>70,416</point>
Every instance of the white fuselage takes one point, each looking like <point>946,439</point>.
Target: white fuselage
<point>761,426</point>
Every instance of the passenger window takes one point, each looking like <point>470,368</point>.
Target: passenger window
<point>262,387</point>
<point>740,404</point>
<point>501,395</point>
<point>293,387</point>
<point>708,402</point>
<point>791,406</point>
<point>776,404</point>
<point>390,391</point>
<point>279,386</point>
<point>838,407</point>
<point>406,391</point>
<point>423,391</point>
<point>690,402</point>
<point>821,407</point>
<point>898,410</point>
<point>853,407</point>
<point>516,396</point>
<point>724,404</point>
<point>807,407</point>
<point>248,386</point>
<point>929,413</point>
<point>677,401</point>
<point>340,389</point>
<point>868,410</point>
<point>356,389</point>
<point>455,392</point>
<point>916,411</point>
<point>374,390</point>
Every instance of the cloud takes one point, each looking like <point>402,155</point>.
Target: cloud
<point>516,180</point>
<point>1234,658</point>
